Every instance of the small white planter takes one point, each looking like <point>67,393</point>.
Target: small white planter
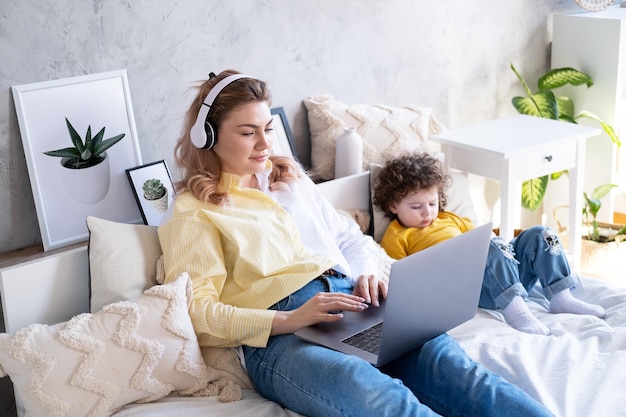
<point>160,204</point>
<point>88,185</point>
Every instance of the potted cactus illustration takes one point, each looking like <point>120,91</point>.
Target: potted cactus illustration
<point>86,170</point>
<point>155,192</point>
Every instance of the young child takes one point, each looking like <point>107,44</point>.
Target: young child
<point>411,191</point>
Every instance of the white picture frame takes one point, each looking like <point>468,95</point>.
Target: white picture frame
<point>152,209</point>
<point>96,101</point>
<point>283,138</point>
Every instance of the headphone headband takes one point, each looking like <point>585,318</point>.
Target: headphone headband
<point>202,133</point>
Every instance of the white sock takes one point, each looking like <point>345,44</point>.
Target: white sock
<point>518,315</point>
<point>565,302</point>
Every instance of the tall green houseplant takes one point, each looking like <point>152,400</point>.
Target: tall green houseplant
<point>545,103</point>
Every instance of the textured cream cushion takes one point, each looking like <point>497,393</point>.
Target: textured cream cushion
<point>122,260</point>
<point>93,364</point>
<point>386,131</point>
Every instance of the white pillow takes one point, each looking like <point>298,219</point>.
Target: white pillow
<point>93,364</point>
<point>386,131</point>
<point>122,260</point>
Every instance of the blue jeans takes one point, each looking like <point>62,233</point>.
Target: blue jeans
<point>512,269</point>
<point>436,379</point>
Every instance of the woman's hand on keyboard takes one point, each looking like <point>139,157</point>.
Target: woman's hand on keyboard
<point>371,288</point>
<point>322,307</point>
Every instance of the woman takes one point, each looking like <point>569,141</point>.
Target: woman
<point>268,255</point>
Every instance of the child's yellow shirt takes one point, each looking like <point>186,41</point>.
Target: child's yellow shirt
<point>399,241</point>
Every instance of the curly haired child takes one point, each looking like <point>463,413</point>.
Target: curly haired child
<point>411,190</point>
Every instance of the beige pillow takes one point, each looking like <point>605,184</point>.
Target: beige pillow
<point>362,218</point>
<point>93,364</point>
<point>122,260</point>
<point>386,131</point>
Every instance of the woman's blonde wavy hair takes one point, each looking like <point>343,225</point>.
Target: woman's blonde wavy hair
<point>202,168</point>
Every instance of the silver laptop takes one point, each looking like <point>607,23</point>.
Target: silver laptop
<point>430,292</point>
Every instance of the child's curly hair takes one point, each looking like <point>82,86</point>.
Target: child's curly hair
<point>407,174</point>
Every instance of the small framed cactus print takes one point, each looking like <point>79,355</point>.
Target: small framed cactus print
<point>154,190</point>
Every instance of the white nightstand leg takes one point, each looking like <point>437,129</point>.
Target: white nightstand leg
<point>577,174</point>
<point>510,195</point>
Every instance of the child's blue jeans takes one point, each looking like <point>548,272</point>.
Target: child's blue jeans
<point>512,269</point>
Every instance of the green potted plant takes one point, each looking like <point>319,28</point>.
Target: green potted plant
<point>85,153</point>
<point>86,170</point>
<point>602,245</point>
<point>155,192</point>
<point>597,231</point>
<point>545,103</point>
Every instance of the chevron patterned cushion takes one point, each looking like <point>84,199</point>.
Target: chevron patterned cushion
<point>386,131</point>
<point>130,351</point>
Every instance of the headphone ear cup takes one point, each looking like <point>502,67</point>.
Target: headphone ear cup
<point>203,135</point>
<point>211,135</point>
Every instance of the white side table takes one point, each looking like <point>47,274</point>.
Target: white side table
<point>517,148</point>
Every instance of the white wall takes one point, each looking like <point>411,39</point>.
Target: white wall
<point>451,55</point>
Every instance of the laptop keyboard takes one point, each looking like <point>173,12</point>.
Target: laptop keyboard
<point>368,339</point>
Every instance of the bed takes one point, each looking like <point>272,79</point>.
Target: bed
<point>577,371</point>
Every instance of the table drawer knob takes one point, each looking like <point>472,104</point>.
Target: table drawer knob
<point>549,158</point>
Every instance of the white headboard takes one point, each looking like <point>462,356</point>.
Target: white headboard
<point>50,289</point>
<point>351,192</point>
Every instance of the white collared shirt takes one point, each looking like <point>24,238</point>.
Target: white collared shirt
<point>323,230</point>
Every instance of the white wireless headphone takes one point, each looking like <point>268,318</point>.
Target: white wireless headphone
<point>203,133</point>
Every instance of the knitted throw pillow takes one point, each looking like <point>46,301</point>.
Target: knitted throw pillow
<point>386,131</point>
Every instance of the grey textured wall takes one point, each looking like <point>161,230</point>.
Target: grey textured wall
<point>450,55</point>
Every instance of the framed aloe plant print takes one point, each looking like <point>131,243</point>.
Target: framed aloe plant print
<point>79,137</point>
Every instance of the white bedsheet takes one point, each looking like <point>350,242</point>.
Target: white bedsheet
<point>250,405</point>
<point>578,371</point>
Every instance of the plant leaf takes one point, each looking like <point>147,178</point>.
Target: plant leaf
<point>97,139</point>
<point>566,118</point>
<point>593,205</point>
<point>559,77</point>
<point>88,142</point>
<point>106,144</point>
<point>533,192</point>
<point>521,80</point>
<point>607,128</point>
<point>64,153</point>
<point>566,109</point>
<point>86,154</point>
<point>76,139</point>
<point>601,190</point>
<point>557,175</point>
<point>542,104</point>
